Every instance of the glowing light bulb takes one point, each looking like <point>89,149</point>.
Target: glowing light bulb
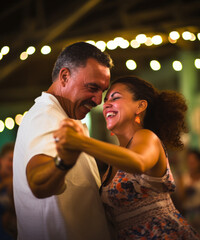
<point>91,42</point>
<point>23,56</point>
<point>197,63</point>
<point>9,123</point>
<point>157,39</point>
<point>2,126</point>
<point>131,64</point>
<point>155,65</point>
<point>177,65</point>
<point>18,119</point>
<point>135,44</point>
<point>111,45</point>
<point>30,50</point>
<point>141,38</point>
<point>5,50</point>
<point>101,45</point>
<point>45,49</point>
<point>174,35</point>
<point>186,35</point>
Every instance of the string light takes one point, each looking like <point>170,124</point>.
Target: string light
<point>18,119</point>
<point>9,123</point>
<point>155,65</point>
<point>111,45</point>
<point>135,44</point>
<point>5,50</point>
<point>45,50</point>
<point>30,50</point>
<point>177,65</point>
<point>192,37</point>
<point>157,40</point>
<point>141,38</point>
<point>91,42</point>
<point>148,42</point>
<point>174,35</point>
<point>101,45</point>
<point>118,41</point>
<point>197,63</point>
<point>23,56</point>
<point>131,64</point>
<point>124,44</point>
<point>186,35</point>
<point>2,126</point>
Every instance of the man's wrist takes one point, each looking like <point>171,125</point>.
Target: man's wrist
<point>61,165</point>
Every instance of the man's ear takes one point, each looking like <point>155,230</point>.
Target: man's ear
<point>64,76</point>
<point>142,106</point>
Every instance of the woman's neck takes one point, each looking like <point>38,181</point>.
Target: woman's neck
<point>126,136</point>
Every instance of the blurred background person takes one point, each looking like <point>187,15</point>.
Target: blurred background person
<point>7,210</point>
<point>188,188</point>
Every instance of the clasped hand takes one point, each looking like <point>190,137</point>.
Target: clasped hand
<point>68,136</point>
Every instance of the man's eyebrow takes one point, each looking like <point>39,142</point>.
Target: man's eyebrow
<point>93,84</point>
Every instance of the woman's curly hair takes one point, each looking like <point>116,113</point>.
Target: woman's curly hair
<point>165,113</point>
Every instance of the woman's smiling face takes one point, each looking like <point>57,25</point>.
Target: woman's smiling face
<point>119,108</point>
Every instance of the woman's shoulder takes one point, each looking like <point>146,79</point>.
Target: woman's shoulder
<point>147,135</point>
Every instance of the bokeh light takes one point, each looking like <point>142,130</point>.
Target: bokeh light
<point>131,64</point>
<point>9,123</point>
<point>177,65</point>
<point>2,126</point>
<point>197,63</point>
<point>155,65</point>
<point>45,49</point>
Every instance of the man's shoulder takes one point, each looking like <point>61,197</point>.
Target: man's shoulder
<point>47,106</point>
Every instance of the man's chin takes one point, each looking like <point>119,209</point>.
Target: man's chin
<point>83,111</point>
<point>81,116</point>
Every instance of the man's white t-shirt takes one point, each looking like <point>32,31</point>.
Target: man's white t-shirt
<point>76,214</point>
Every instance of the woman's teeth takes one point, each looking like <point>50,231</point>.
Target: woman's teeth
<point>110,114</point>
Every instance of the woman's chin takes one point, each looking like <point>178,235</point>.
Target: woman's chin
<point>110,128</point>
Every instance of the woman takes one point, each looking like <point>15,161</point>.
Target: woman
<point>136,189</point>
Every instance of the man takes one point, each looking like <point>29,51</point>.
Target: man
<point>56,197</point>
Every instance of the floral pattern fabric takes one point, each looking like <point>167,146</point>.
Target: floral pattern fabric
<point>140,207</point>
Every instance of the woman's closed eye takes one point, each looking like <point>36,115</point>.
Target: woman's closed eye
<point>115,98</point>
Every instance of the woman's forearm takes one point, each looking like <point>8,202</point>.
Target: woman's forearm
<point>111,154</point>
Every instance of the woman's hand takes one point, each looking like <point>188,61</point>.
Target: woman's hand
<point>68,137</point>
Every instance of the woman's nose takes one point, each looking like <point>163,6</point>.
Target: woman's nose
<point>106,104</point>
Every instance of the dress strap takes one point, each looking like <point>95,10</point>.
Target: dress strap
<point>165,149</point>
<point>104,183</point>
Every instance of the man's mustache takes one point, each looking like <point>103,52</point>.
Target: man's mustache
<point>89,102</point>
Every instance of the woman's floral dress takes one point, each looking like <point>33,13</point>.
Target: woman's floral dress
<point>140,207</point>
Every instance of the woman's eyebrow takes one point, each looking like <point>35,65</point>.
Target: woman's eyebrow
<point>112,95</point>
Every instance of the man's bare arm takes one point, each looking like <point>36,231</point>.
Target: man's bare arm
<point>44,178</point>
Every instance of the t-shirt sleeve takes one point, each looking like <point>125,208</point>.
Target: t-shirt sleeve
<point>42,126</point>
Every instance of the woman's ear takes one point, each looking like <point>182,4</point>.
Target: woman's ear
<point>64,76</point>
<point>142,106</point>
